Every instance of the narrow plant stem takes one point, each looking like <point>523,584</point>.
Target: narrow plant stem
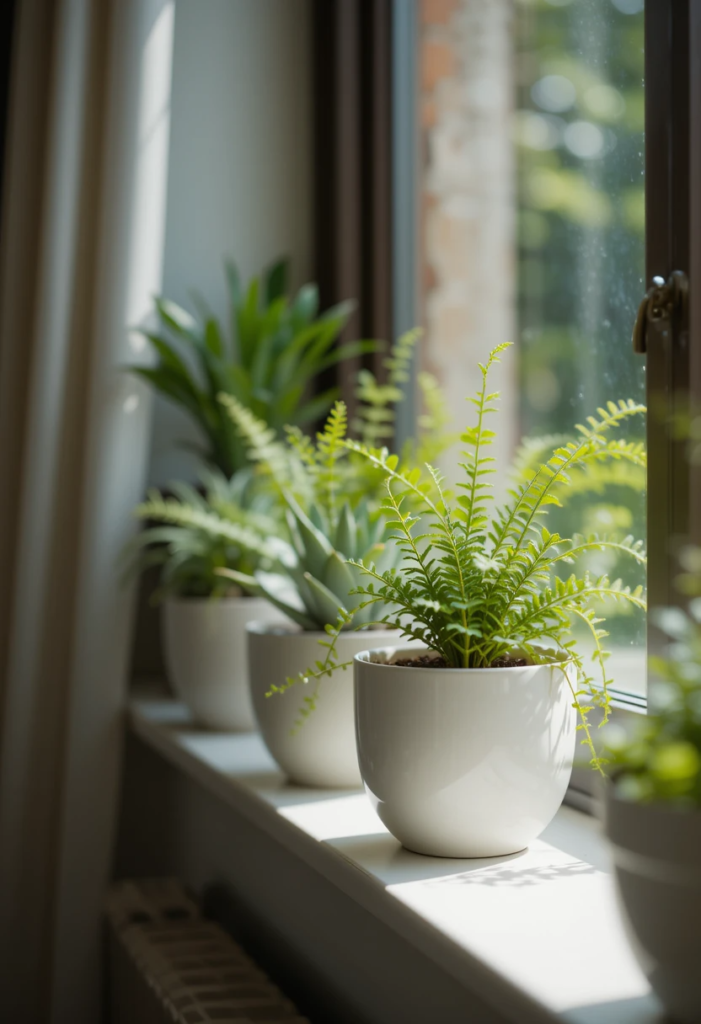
<point>584,722</point>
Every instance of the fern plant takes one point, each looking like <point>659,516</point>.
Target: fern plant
<point>374,422</point>
<point>328,532</point>
<point>192,535</point>
<point>602,497</point>
<point>275,347</point>
<point>481,583</point>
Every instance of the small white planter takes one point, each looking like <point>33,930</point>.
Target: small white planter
<point>321,752</point>
<point>204,642</point>
<point>463,762</point>
<point>657,859</point>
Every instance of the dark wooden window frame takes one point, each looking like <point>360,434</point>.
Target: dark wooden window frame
<point>353,213</point>
<point>673,359</point>
<point>673,242</point>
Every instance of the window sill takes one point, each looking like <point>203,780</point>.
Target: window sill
<point>536,935</point>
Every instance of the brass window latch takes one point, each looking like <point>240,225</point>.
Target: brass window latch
<point>664,301</point>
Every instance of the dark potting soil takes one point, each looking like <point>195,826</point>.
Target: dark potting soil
<point>426,661</point>
<point>508,662</point>
<point>422,661</point>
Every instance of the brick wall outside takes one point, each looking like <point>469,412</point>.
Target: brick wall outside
<point>467,199</point>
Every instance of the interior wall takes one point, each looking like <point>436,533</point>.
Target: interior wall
<point>240,171</point>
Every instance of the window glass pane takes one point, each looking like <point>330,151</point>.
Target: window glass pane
<point>533,231</point>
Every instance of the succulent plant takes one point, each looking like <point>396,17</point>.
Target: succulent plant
<point>313,585</point>
<point>278,346</point>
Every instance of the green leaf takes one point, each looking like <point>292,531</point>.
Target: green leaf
<point>278,590</point>
<point>176,318</point>
<point>346,537</point>
<point>306,305</point>
<point>316,407</point>
<point>233,279</point>
<point>169,357</point>
<point>276,281</point>
<point>327,606</point>
<point>213,338</point>
<point>338,578</point>
<point>675,761</point>
<point>173,385</point>
<point>316,547</point>
<point>248,324</point>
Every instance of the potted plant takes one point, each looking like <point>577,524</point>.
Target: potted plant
<point>330,518</point>
<point>466,748</point>
<point>653,813</point>
<point>279,345</point>
<point>190,535</point>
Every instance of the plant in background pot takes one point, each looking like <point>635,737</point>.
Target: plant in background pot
<point>466,748</point>
<point>278,346</point>
<point>653,812</point>
<point>204,616</point>
<point>313,589</point>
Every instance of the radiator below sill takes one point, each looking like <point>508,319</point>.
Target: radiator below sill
<point>536,935</point>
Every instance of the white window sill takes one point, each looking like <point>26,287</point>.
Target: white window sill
<point>536,935</point>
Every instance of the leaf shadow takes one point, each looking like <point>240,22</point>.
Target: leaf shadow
<point>517,876</point>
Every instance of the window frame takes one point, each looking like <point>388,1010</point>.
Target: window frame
<point>672,242</point>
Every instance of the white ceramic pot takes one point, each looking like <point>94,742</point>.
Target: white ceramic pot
<point>205,652</point>
<point>463,762</point>
<point>321,752</point>
<point>657,865</point>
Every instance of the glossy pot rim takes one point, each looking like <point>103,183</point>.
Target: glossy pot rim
<point>257,628</point>
<point>614,800</point>
<point>231,600</point>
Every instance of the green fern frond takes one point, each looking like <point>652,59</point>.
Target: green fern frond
<point>262,444</point>
<point>374,422</point>
<point>194,517</point>
<point>435,435</point>
<point>193,535</point>
<point>330,449</point>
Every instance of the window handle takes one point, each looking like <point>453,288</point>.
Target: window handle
<point>664,301</point>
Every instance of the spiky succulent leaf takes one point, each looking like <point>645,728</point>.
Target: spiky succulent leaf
<point>315,548</point>
<point>326,604</point>
<point>328,520</point>
<point>338,579</point>
<point>346,537</point>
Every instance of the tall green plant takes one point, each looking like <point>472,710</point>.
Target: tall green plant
<point>290,464</point>
<point>327,530</point>
<point>479,583</point>
<point>274,348</point>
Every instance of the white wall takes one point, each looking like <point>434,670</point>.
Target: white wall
<point>240,162</point>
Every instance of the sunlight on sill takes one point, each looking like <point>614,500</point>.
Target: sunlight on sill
<point>540,925</point>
